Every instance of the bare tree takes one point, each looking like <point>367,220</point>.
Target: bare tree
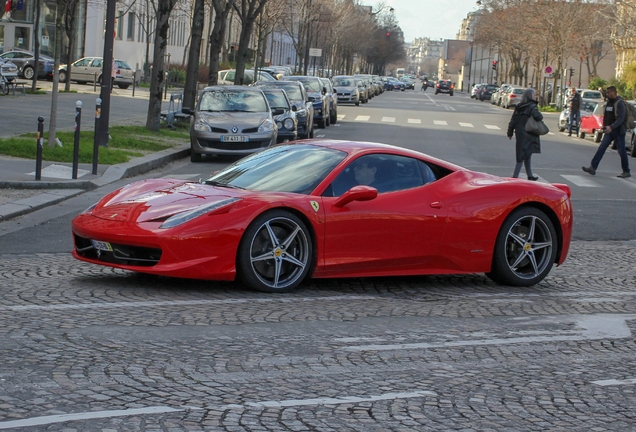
<point>222,10</point>
<point>153,120</point>
<point>194,52</point>
<point>248,11</point>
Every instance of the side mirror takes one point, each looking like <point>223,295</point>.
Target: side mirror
<point>357,193</point>
<point>188,111</point>
<point>335,91</point>
<point>278,111</point>
<point>324,90</point>
<point>294,109</point>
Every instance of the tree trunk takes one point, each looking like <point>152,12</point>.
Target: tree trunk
<point>222,9</point>
<point>192,69</point>
<point>153,120</point>
<point>56,78</point>
<point>36,33</point>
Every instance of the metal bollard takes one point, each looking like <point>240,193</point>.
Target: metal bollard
<point>40,145</point>
<point>98,114</point>
<point>94,81</point>
<point>135,82</point>
<point>78,120</point>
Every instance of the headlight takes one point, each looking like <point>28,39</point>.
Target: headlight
<point>289,124</point>
<point>266,126</point>
<point>202,126</point>
<point>188,215</point>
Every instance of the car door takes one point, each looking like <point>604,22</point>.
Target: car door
<point>79,69</point>
<point>399,230</point>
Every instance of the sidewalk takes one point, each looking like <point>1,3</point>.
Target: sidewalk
<point>20,193</point>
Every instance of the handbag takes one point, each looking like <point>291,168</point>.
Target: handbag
<point>536,127</point>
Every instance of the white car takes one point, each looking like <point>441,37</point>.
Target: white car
<point>226,77</point>
<point>89,69</point>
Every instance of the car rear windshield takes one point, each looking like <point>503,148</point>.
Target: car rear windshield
<point>276,100</point>
<point>312,84</point>
<point>289,168</point>
<point>229,100</point>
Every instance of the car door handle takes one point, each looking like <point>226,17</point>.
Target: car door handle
<point>436,204</point>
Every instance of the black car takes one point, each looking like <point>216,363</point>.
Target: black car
<point>299,98</point>
<point>445,86</point>
<point>317,94</point>
<point>486,91</point>
<point>284,114</point>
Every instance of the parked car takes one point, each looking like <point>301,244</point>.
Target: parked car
<point>593,123</point>
<point>445,86</point>
<point>362,90</point>
<point>226,77</point>
<point>297,211</point>
<point>410,84</point>
<point>89,69</point>
<point>346,89</point>
<point>230,120</point>
<point>587,108</point>
<point>368,84</point>
<point>475,90</point>
<point>317,93</point>
<point>25,61</point>
<point>299,98</point>
<point>486,91</point>
<point>512,97</point>
<point>332,96</point>
<point>503,89</point>
<point>284,114</point>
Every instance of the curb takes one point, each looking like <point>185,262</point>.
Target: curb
<point>57,192</point>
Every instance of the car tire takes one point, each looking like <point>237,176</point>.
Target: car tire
<point>512,263</point>
<point>28,72</point>
<point>62,76</point>
<point>561,129</point>
<point>358,103</point>
<point>334,117</point>
<point>598,136</point>
<point>436,92</point>
<point>311,132</point>
<point>276,252</point>
<point>195,157</point>
<point>581,134</point>
<point>123,86</point>
<point>328,120</point>
<point>633,151</point>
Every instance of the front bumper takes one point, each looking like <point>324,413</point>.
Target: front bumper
<point>210,143</point>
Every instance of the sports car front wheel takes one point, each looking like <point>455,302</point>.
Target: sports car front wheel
<point>275,253</point>
<point>525,250</point>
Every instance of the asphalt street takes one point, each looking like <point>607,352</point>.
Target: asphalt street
<point>92,348</point>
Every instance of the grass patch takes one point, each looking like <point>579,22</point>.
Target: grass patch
<point>126,142</point>
<point>549,109</point>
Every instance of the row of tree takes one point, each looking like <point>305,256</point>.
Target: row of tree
<point>529,35</point>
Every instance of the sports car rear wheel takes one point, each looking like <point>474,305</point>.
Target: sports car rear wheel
<point>275,253</point>
<point>525,250</point>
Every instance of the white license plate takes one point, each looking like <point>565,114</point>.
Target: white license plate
<point>100,245</point>
<point>234,138</point>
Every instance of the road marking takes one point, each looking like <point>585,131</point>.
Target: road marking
<point>581,181</point>
<point>362,118</point>
<point>550,133</point>
<point>449,108</point>
<point>431,99</point>
<point>440,122</point>
<point>469,125</point>
<point>332,401</point>
<point>588,327</point>
<point>610,382</point>
<point>44,420</point>
<point>492,127</point>
<point>628,182</point>
<point>341,116</point>
<point>175,303</point>
<point>388,119</point>
<point>416,121</point>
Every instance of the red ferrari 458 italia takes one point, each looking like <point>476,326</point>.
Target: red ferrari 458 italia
<point>325,208</point>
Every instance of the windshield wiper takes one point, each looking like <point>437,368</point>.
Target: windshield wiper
<point>219,184</point>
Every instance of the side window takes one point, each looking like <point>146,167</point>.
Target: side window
<point>81,62</point>
<point>386,173</point>
<point>96,63</point>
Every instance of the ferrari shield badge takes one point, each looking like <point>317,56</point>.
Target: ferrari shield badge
<point>314,205</point>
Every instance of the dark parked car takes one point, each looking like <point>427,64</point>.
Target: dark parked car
<point>445,86</point>
<point>25,61</point>
<point>299,98</point>
<point>317,94</point>
<point>332,95</point>
<point>284,114</point>
<point>485,92</point>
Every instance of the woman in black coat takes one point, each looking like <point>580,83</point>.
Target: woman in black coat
<point>527,143</point>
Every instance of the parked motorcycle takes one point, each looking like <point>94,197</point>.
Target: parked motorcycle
<point>8,75</point>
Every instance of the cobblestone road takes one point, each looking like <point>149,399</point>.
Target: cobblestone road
<point>87,348</point>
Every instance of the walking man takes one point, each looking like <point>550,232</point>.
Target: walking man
<point>574,102</point>
<point>614,129</point>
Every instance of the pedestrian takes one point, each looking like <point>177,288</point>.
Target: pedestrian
<point>603,93</point>
<point>614,129</point>
<point>574,103</point>
<point>526,143</point>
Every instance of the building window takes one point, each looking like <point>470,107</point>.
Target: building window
<point>131,26</point>
<point>119,25</point>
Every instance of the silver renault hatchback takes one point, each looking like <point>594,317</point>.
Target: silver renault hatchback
<point>230,120</point>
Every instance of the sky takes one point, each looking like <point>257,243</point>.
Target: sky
<point>436,19</point>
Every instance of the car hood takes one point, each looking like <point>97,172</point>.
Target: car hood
<point>157,199</point>
<point>228,119</point>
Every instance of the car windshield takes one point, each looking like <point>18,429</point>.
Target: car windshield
<point>592,95</point>
<point>276,100</point>
<point>290,168</point>
<point>310,84</point>
<point>588,106</point>
<point>347,82</point>
<point>229,100</point>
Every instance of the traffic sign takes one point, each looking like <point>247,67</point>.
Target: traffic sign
<point>315,52</point>
<point>547,72</point>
